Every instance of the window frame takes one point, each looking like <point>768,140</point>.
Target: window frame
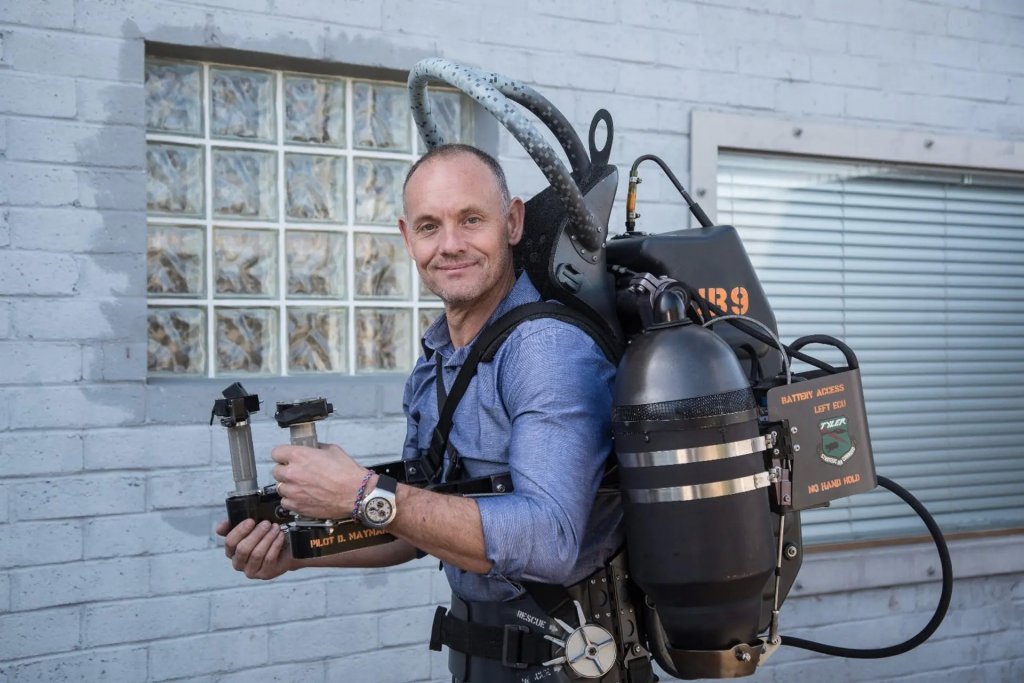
<point>711,132</point>
<point>715,132</point>
<point>483,133</point>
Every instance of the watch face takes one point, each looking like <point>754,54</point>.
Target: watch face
<point>378,510</point>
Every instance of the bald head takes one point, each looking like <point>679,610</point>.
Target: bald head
<point>454,150</point>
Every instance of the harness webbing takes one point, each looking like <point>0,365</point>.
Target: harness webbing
<point>484,350</point>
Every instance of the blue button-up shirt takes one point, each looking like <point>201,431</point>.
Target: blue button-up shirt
<point>542,411</point>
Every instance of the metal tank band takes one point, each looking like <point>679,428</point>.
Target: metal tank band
<point>686,456</point>
<point>691,492</point>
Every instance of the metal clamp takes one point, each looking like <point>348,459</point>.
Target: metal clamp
<point>509,653</point>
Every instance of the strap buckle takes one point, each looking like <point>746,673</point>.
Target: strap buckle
<point>512,645</point>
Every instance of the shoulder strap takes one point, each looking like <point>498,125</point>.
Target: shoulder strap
<point>485,348</point>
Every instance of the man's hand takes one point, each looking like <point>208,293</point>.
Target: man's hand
<point>258,550</point>
<point>317,482</point>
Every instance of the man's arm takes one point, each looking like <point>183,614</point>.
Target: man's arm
<point>261,551</point>
<point>323,483</point>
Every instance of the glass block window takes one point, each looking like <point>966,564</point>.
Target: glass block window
<point>273,201</point>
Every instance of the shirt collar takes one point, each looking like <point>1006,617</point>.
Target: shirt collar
<point>437,337</point>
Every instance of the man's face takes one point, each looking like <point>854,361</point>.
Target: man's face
<point>456,230</point>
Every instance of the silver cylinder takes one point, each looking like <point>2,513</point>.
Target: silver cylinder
<point>243,458</point>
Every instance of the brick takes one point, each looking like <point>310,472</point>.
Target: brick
<point>783,64</point>
<point>103,275</point>
<point>5,225</point>
<point>944,111</point>
<point>113,103</point>
<point>605,41</point>
<point>98,405</point>
<point>1009,7</point>
<point>193,571</point>
<point>60,53</point>
<point>172,531</point>
<point>868,12</point>
<point>811,98</point>
<point>974,85</point>
<point>363,438</point>
<point>878,105</point>
<point>919,17</point>
<point>79,318</point>
<point>37,185</point>
<point>138,18</point>
<point>744,26</point>
<point>5,320</point>
<point>257,604</point>
<point>79,230</point>
<point>27,544</point>
<point>383,666</point>
<point>37,273</point>
<point>986,26</point>
<point>5,597</point>
<point>663,15</point>
<point>650,81</point>
<point>307,672</point>
<point>20,633</point>
<point>342,13</point>
<point>128,621</point>
<point>4,501</point>
<point>913,78</point>
<point>147,447</point>
<point>353,593</point>
<point>72,497</point>
<point>947,51</point>
<point>209,653</point>
<point>845,70</point>
<point>67,584</point>
<point>45,452</point>
<point>114,361</point>
<point>48,13</point>
<point>111,189</point>
<point>194,488</point>
<point>72,142</point>
<point>40,362</point>
<point>405,627</point>
<point>811,35</point>
<point>741,91</point>
<point>1002,58</point>
<point>277,35</point>
<point>877,42</point>
<point>109,664</point>
<point>321,636</point>
<point>25,95</point>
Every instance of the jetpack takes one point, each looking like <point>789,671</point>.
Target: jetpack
<point>719,444</point>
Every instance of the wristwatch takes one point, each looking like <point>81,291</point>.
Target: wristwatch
<point>378,508</point>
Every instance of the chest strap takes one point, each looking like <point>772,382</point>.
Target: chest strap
<point>484,350</point>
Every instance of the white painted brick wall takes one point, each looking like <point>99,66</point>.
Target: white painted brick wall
<point>110,487</point>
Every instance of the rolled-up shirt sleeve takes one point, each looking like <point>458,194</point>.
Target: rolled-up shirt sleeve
<point>556,385</point>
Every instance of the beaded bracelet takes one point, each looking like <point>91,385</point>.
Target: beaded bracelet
<point>360,493</point>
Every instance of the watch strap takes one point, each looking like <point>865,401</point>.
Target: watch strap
<point>386,483</point>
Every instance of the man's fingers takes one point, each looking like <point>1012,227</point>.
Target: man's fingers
<point>258,556</point>
<point>246,545</point>
<point>223,528</point>
<point>233,537</point>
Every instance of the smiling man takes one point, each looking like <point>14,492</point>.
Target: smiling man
<point>539,410</point>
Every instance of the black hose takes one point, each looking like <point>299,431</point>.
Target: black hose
<point>695,209</point>
<point>940,610</point>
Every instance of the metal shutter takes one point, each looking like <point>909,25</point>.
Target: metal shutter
<point>921,271</point>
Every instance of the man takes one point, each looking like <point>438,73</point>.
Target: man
<point>540,410</point>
